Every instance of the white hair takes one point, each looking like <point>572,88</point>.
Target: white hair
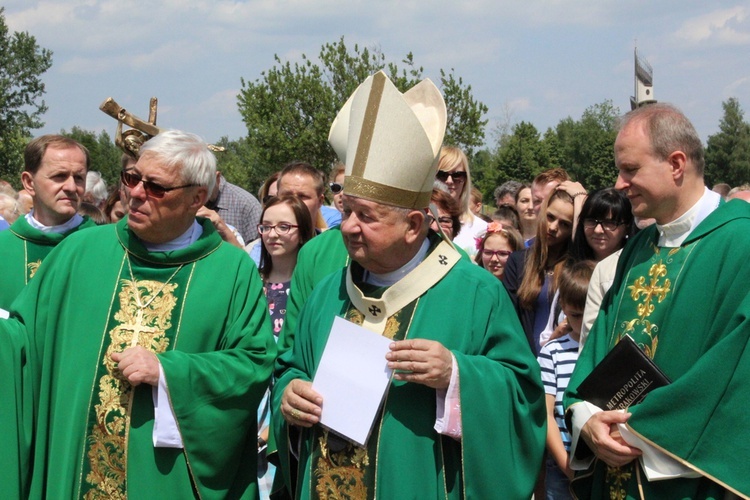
<point>96,187</point>
<point>174,147</point>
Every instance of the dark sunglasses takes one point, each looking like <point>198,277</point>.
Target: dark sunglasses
<point>442,176</point>
<point>336,188</point>
<point>151,188</point>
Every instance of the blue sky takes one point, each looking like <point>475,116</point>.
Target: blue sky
<point>535,61</point>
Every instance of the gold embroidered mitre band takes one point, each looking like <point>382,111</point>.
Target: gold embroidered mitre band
<point>390,142</point>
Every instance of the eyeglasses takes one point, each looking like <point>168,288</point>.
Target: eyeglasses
<point>607,224</point>
<point>459,176</point>
<point>282,228</point>
<point>499,253</point>
<point>336,187</point>
<point>151,188</point>
<point>444,221</point>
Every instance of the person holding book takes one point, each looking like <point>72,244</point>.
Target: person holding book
<point>557,359</point>
<point>680,291</point>
<point>465,387</point>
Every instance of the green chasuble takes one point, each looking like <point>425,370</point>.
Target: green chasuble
<point>319,257</point>
<point>502,401</point>
<point>201,309</point>
<point>22,249</point>
<point>688,308</point>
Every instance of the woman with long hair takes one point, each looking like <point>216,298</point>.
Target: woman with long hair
<point>285,225</point>
<point>530,274</point>
<point>453,171</point>
<point>605,223</point>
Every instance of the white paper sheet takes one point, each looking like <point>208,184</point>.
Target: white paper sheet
<point>352,378</point>
<point>4,314</point>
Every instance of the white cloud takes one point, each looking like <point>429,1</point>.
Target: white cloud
<point>720,27</point>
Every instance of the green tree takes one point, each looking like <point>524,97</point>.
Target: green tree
<point>22,62</point>
<point>585,148</point>
<point>104,155</point>
<point>728,151</point>
<point>521,156</point>
<point>465,127</point>
<point>238,164</point>
<point>288,111</point>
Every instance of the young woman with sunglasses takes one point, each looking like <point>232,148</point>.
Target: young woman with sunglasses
<point>336,185</point>
<point>285,225</point>
<point>453,171</point>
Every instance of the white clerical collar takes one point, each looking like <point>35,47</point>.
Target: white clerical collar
<point>183,241</point>
<point>674,233</point>
<point>393,277</point>
<point>72,223</point>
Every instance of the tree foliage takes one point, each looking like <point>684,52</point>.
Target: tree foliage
<point>22,62</point>
<point>288,111</point>
<point>104,155</point>
<point>584,148</point>
<point>728,151</point>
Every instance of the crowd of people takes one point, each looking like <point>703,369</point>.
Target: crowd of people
<point>152,333</point>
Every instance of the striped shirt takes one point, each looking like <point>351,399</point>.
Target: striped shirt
<point>557,359</point>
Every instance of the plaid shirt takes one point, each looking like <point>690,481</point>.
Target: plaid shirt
<point>238,208</point>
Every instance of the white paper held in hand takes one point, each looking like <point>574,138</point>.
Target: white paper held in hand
<point>352,378</point>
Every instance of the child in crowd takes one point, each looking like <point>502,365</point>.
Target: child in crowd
<point>557,359</point>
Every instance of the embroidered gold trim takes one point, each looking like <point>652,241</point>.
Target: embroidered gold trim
<point>103,336</point>
<point>144,325</point>
<point>368,125</point>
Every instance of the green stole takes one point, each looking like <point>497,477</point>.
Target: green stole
<point>650,286</point>
<point>146,309</point>
<point>23,248</point>
<point>341,469</point>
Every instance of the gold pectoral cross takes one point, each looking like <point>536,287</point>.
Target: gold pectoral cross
<point>138,327</point>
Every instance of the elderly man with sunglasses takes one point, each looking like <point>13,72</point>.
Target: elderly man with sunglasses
<point>136,358</point>
<point>55,175</point>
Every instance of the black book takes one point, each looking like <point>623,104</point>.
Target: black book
<point>623,378</point>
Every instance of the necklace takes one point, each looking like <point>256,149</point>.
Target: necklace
<point>139,326</point>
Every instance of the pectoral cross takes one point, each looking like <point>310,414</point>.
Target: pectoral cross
<point>137,327</point>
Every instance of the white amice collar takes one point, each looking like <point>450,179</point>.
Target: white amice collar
<point>674,233</point>
<point>183,241</point>
<point>393,277</point>
<point>72,223</point>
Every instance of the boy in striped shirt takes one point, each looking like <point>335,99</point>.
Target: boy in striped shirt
<point>557,359</point>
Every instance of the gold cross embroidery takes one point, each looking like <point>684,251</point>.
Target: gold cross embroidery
<point>652,290</point>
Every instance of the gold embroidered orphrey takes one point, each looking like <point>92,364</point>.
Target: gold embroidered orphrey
<point>137,324</point>
<point>646,294</point>
<point>617,478</point>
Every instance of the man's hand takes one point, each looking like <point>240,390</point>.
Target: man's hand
<point>138,365</point>
<point>300,405</point>
<point>603,438</point>
<point>221,227</point>
<point>422,361</point>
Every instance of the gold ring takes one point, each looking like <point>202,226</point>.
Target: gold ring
<point>296,414</point>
